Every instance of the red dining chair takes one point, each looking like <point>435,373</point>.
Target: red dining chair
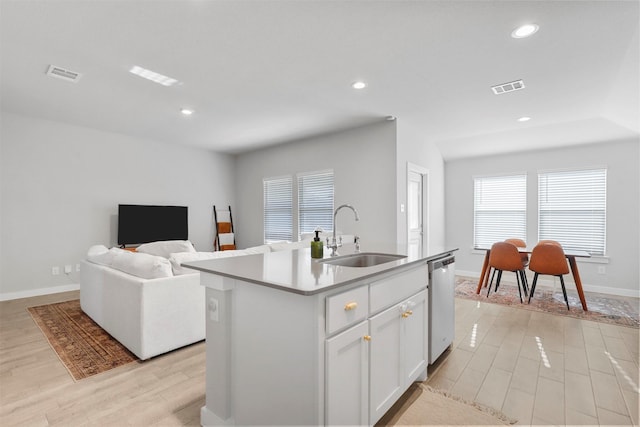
<point>504,256</point>
<point>519,243</point>
<point>549,242</point>
<point>549,259</point>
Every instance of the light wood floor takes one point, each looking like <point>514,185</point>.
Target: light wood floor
<point>542,369</point>
<point>537,368</point>
<point>37,390</point>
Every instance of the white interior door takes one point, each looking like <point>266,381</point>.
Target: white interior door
<point>416,208</point>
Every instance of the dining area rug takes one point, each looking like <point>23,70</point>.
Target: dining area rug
<point>82,346</point>
<point>612,309</point>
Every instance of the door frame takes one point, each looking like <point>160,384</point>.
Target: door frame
<point>424,172</point>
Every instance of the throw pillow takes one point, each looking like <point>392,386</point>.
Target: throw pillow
<point>142,265</point>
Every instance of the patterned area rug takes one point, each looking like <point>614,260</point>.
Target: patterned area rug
<point>84,348</point>
<point>602,308</point>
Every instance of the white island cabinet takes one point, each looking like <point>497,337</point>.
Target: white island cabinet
<point>294,341</point>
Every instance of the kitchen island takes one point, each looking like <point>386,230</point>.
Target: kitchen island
<point>295,341</point>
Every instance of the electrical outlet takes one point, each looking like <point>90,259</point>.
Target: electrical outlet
<point>77,267</point>
<point>602,269</point>
<point>67,269</point>
<point>55,271</point>
<point>213,307</point>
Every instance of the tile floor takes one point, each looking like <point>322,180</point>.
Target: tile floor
<point>541,368</point>
<point>537,368</point>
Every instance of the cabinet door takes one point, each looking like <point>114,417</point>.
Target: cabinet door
<point>347,387</point>
<point>415,333</point>
<point>387,375</point>
<point>397,352</point>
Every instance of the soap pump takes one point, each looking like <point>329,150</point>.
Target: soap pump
<point>317,246</point>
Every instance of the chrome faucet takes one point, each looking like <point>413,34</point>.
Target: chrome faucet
<point>334,242</point>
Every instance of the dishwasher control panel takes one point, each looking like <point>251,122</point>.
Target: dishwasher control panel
<point>440,263</point>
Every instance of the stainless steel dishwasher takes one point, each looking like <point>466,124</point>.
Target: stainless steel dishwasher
<point>441,305</point>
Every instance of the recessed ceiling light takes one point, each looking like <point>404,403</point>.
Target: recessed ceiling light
<point>524,31</point>
<point>524,119</point>
<point>186,111</point>
<point>153,76</point>
<point>359,85</point>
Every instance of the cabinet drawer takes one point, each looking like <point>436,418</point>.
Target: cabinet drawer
<point>347,308</point>
<point>386,292</point>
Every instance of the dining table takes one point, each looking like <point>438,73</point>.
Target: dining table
<point>569,253</point>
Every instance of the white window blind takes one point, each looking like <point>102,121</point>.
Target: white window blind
<point>315,201</point>
<point>572,209</point>
<point>500,209</point>
<point>278,209</point>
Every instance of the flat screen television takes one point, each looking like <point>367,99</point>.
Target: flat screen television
<point>139,224</point>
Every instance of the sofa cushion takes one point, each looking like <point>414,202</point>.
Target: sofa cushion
<point>262,249</point>
<point>177,259</point>
<point>100,254</point>
<point>166,248</point>
<point>142,265</point>
<point>287,246</point>
<point>97,250</point>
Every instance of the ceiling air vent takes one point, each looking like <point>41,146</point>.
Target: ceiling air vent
<point>64,74</point>
<point>508,87</point>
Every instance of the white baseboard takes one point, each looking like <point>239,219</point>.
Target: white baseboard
<point>38,292</point>
<point>549,282</point>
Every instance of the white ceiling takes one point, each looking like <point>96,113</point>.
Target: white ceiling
<point>264,72</point>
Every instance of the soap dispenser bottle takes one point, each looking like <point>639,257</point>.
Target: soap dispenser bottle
<point>317,246</point>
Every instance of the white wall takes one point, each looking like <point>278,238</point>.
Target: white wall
<point>623,207</point>
<point>414,147</point>
<point>363,161</point>
<point>61,186</point>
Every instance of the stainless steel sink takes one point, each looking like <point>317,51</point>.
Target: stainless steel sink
<point>366,259</point>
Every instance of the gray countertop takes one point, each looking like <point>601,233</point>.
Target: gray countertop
<point>295,271</point>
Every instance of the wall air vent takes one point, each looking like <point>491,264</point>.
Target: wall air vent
<point>64,74</point>
<point>508,87</point>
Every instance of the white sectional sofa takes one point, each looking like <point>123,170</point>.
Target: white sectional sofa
<point>146,299</point>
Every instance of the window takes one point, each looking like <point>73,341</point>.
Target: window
<point>499,209</point>
<point>278,209</point>
<point>315,202</point>
<point>313,205</point>
<point>572,209</point>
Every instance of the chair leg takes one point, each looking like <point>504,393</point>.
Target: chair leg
<point>564,291</point>
<point>497,281</point>
<point>518,279</point>
<point>533,286</point>
<point>525,283</point>
<point>522,281</point>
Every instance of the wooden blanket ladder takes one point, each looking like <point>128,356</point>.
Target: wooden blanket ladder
<point>225,237</point>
